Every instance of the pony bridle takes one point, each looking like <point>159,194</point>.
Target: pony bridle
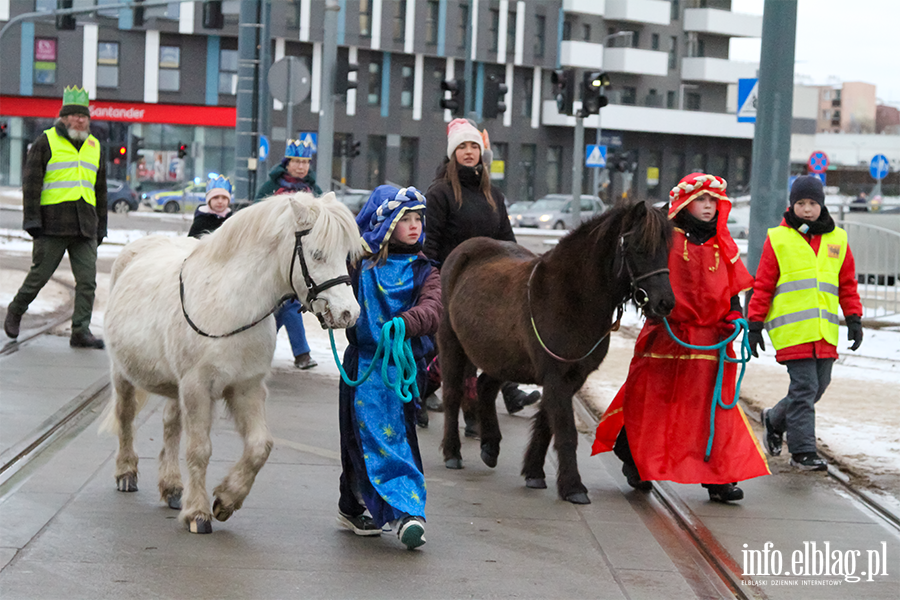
<point>638,294</point>
<point>313,289</point>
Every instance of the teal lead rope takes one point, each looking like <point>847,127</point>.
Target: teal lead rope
<point>390,347</point>
<point>739,325</point>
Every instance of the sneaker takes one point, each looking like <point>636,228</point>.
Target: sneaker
<point>11,324</point>
<point>724,492</point>
<point>412,533</point>
<point>86,340</point>
<point>808,461</point>
<point>630,471</point>
<point>771,440</point>
<point>432,402</point>
<point>360,524</point>
<point>305,361</point>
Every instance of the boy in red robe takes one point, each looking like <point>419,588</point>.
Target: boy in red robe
<point>665,403</point>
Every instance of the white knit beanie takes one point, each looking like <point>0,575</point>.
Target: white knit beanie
<point>459,131</point>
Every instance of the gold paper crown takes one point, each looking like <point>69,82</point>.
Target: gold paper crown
<point>75,95</point>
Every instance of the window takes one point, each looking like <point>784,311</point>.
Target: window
<point>228,66</point>
<point>673,52</point>
<point>654,41</point>
<point>45,59</point>
<point>670,99</point>
<point>567,30</point>
<point>169,68</point>
<point>511,33</point>
<point>463,24</point>
<point>635,39</point>
<point>527,163</point>
<point>701,48</point>
<point>676,10</point>
<point>399,20</point>
<point>742,170</point>
<point>527,96</point>
<point>409,156</point>
<point>826,114</point>
<point>629,95</point>
<point>698,163</point>
<point>432,19</point>
<point>692,101</point>
<point>374,95</point>
<point>108,64</point>
<point>675,170</point>
<point>718,165</point>
<point>375,161</point>
<point>554,169</point>
<point>494,30</point>
<point>406,91</point>
<point>365,18</point>
<point>586,32</point>
<point>653,99</point>
<point>540,36</point>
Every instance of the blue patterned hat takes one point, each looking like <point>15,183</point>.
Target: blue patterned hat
<point>298,149</point>
<point>216,184</point>
<point>383,209</point>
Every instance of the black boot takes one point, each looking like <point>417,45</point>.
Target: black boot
<point>471,420</point>
<point>422,416</point>
<point>85,339</point>
<point>724,492</point>
<point>633,477</point>
<point>515,399</point>
<point>11,324</point>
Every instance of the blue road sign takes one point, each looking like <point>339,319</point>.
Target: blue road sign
<point>595,156</point>
<point>748,97</point>
<point>263,147</point>
<point>310,138</point>
<point>879,167</point>
<point>818,162</point>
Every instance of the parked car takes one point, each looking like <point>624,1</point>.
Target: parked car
<point>554,212</point>
<point>739,222</point>
<point>515,210</point>
<point>120,198</point>
<point>184,199</point>
<point>353,199</point>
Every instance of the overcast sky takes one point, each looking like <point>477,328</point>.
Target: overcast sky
<point>851,40</point>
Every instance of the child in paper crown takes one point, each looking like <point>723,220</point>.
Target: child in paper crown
<point>208,217</point>
<point>665,403</point>
<point>806,270</point>
<point>382,467</point>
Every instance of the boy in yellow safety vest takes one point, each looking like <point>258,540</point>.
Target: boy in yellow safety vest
<point>806,270</point>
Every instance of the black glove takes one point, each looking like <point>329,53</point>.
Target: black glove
<point>854,330</point>
<point>756,337</point>
<point>100,240</point>
<point>34,232</point>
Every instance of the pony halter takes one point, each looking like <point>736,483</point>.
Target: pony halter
<point>644,297</point>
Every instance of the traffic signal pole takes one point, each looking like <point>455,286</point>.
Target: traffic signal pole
<point>577,166</point>
<point>326,114</point>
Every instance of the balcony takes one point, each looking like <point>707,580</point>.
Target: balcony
<point>585,7</point>
<point>586,55</point>
<point>638,11</point>
<point>634,60</point>
<point>722,22</point>
<point>716,70</point>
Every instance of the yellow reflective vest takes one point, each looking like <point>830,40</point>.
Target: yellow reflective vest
<point>805,305</point>
<point>71,174</point>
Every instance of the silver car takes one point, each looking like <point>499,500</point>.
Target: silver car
<point>554,212</point>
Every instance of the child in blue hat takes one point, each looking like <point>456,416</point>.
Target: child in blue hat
<point>380,459</point>
<point>210,216</point>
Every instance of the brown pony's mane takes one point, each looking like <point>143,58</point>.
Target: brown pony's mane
<point>650,234</point>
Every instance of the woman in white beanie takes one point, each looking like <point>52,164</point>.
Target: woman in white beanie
<point>462,204</point>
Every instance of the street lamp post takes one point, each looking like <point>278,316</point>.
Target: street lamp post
<point>598,170</point>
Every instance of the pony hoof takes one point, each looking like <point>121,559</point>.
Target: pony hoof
<point>578,498</point>
<point>199,525</point>
<point>173,499</point>
<point>220,512</point>
<point>453,463</point>
<point>536,483</point>
<point>489,458</point>
<point>127,483</point>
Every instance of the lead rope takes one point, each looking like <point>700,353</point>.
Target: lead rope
<point>739,325</point>
<point>395,347</point>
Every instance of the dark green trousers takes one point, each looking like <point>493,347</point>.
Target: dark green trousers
<point>45,258</point>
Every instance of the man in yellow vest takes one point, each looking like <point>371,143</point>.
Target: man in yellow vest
<point>805,272</point>
<point>64,210</point>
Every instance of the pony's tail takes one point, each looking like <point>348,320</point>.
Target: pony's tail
<point>109,420</point>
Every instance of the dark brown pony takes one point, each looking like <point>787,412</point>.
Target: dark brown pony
<point>534,319</point>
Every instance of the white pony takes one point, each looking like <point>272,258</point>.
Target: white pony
<point>228,279</point>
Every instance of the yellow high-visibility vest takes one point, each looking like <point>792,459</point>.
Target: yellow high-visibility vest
<point>805,305</point>
<point>71,174</point>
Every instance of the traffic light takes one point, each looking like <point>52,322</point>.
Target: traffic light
<point>4,129</point>
<point>592,98</point>
<point>494,93</point>
<point>121,155</point>
<point>564,90</point>
<point>456,103</point>
<point>182,150</point>
<point>212,14</point>
<point>353,148</point>
<point>64,22</point>
<point>137,14</point>
<point>342,81</point>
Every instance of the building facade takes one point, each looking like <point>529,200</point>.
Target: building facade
<point>169,84</point>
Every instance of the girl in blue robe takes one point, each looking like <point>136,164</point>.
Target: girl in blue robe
<point>382,468</point>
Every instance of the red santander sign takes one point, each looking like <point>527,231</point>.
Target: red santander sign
<point>132,112</point>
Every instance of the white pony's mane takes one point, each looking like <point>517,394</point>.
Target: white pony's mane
<point>333,229</point>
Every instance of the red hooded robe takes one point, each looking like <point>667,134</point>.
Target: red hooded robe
<point>665,402</point>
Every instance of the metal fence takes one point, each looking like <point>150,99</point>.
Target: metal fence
<point>876,251</point>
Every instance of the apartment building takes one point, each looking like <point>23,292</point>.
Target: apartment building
<point>848,107</point>
<point>169,83</point>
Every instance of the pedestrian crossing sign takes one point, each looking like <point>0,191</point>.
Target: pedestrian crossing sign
<point>595,156</point>
<point>748,98</point>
